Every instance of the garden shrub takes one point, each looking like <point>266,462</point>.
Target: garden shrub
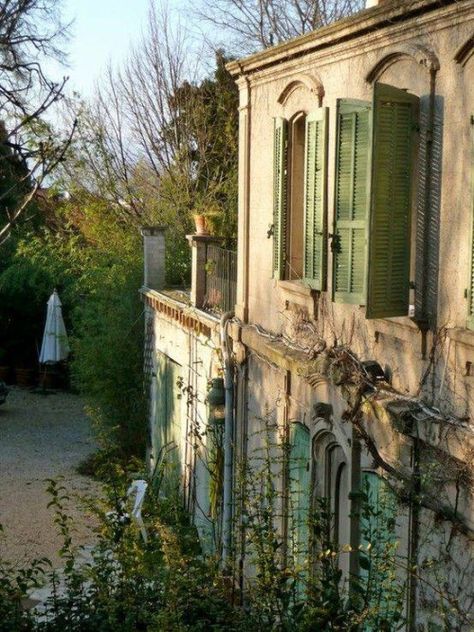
<point>170,584</point>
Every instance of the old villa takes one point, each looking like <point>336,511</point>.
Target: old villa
<point>343,326</point>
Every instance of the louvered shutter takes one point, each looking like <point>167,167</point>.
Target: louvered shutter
<point>470,319</point>
<point>351,202</point>
<point>395,121</point>
<point>280,196</point>
<point>299,490</point>
<point>315,199</point>
<point>159,429</point>
<point>377,563</point>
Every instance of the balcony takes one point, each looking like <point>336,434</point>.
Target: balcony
<point>213,279</point>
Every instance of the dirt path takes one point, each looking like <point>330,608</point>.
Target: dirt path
<point>41,437</point>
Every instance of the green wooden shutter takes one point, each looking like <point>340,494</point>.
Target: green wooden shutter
<point>166,431</point>
<point>378,562</point>
<point>378,519</point>
<point>299,490</point>
<point>174,418</point>
<point>280,196</point>
<point>159,430</point>
<point>351,202</point>
<point>395,121</point>
<point>470,319</point>
<point>315,199</point>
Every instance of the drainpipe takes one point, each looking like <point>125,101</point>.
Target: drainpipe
<point>228,437</point>
<point>244,195</point>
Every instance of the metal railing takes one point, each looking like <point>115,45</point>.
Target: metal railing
<point>221,279</point>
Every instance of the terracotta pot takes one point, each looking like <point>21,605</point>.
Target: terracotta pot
<point>25,377</point>
<point>201,225</point>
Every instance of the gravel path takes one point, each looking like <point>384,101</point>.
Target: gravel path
<point>41,437</point>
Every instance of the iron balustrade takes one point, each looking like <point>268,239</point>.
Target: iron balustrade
<point>221,279</point>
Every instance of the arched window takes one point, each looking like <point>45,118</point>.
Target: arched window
<point>331,482</point>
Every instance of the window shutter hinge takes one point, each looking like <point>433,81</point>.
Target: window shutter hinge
<point>466,293</point>
<point>335,242</point>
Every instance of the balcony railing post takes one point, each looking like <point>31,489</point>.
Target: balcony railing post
<point>199,244</point>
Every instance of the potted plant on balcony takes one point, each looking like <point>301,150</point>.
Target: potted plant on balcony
<point>207,217</point>
<point>200,223</point>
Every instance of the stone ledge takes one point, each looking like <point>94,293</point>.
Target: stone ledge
<point>403,328</point>
<point>462,335</point>
<point>273,350</point>
<point>408,416</point>
<point>183,314</point>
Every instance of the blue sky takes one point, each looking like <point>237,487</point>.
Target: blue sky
<point>102,30</point>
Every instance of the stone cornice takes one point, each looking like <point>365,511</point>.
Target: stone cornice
<point>368,21</point>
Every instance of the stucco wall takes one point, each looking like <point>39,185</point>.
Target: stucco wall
<point>406,56</point>
<point>198,361</point>
<point>433,360</point>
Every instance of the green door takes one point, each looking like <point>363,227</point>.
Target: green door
<point>299,491</point>
<point>378,557</point>
<point>166,429</point>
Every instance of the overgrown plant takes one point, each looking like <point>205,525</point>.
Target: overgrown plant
<point>170,583</point>
<point>294,587</point>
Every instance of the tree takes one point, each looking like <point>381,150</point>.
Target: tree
<point>30,32</point>
<point>263,23</point>
<point>159,141</point>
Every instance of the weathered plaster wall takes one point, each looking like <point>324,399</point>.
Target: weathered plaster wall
<point>407,56</point>
<point>417,55</point>
<point>199,361</point>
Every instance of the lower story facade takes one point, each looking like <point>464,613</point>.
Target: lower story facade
<point>315,452</point>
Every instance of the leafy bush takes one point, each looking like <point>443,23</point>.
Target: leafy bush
<point>128,586</point>
<point>170,584</point>
<point>96,265</point>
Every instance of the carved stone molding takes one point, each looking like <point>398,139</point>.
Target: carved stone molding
<point>421,55</point>
<point>310,82</point>
<point>465,52</point>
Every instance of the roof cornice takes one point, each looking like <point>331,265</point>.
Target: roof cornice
<point>366,21</point>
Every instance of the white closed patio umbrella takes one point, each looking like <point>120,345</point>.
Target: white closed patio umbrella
<point>54,347</point>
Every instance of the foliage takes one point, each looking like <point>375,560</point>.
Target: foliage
<point>159,139</point>
<point>294,589</point>
<point>14,180</point>
<point>168,583</point>
<point>128,586</point>
<point>108,361</point>
<point>96,265</point>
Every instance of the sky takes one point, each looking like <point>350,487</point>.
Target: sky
<point>102,31</point>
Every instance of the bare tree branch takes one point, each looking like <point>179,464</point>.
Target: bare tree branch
<point>256,24</point>
<point>30,32</point>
